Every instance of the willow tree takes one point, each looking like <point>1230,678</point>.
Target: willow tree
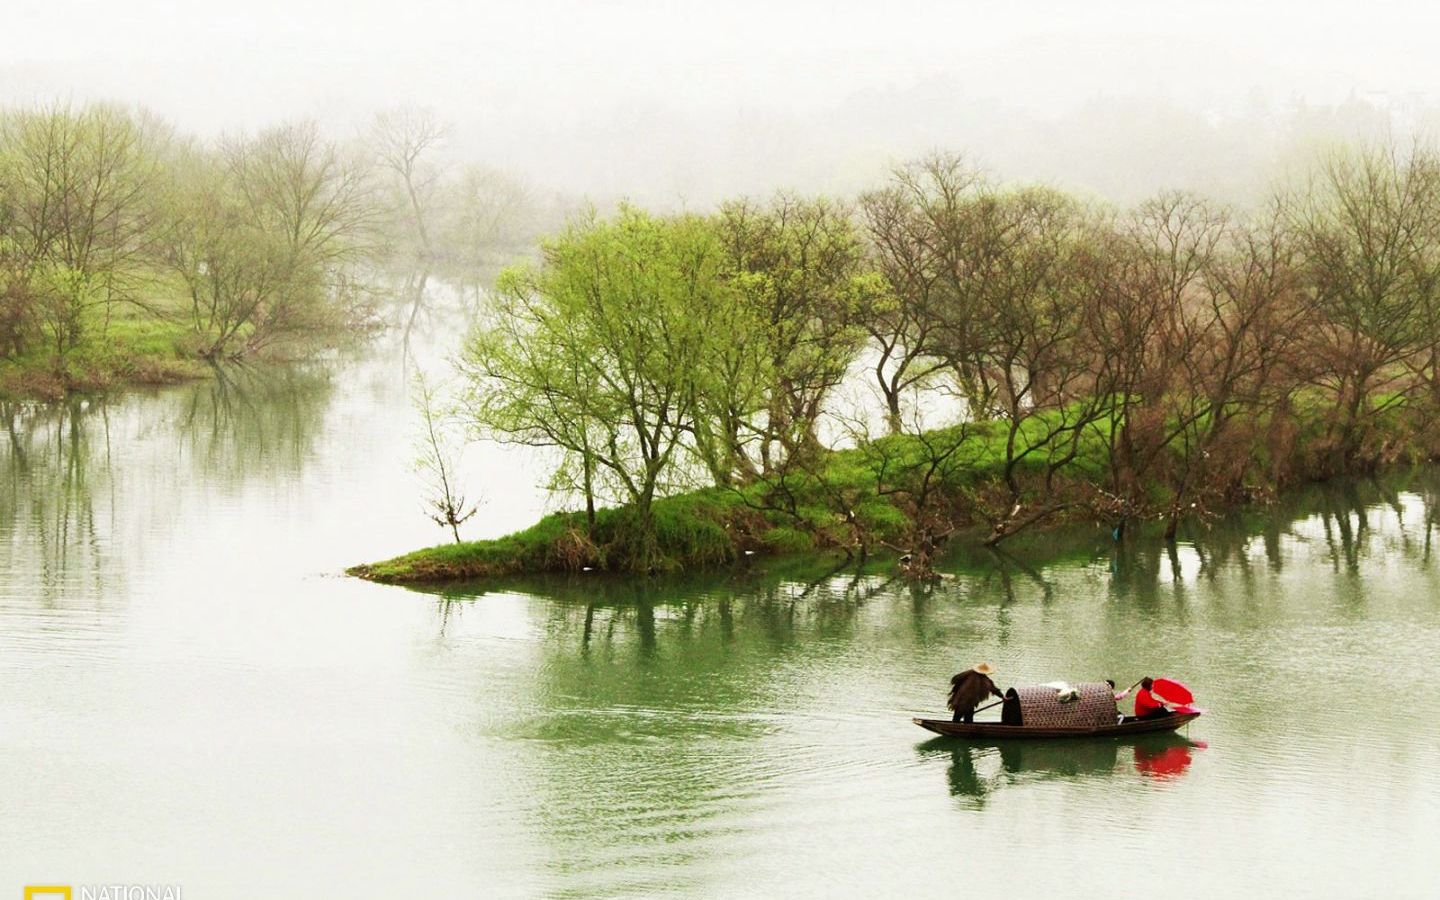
<point>796,265</point>
<point>75,183</point>
<point>598,352</point>
<point>733,393</point>
<point>260,234</point>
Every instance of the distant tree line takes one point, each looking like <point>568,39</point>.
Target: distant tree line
<point>1157,361</point>
<point>245,243</point>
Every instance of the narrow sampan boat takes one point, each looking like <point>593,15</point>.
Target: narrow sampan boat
<point>1129,725</point>
<point>1037,712</point>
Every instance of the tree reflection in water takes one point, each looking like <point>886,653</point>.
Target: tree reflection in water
<point>66,468</point>
<point>680,708</point>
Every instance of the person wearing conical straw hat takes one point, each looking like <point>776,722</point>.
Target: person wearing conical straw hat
<point>969,688</point>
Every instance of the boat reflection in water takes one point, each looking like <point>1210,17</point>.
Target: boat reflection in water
<point>979,768</point>
<point>1168,759</point>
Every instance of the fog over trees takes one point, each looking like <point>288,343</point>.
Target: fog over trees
<point>1172,262</point>
<point>1165,359</point>
<point>693,103</point>
<point>111,220</point>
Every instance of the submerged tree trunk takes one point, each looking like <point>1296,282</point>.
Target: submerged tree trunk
<point>1172,526</point>
<point>1014,523</point>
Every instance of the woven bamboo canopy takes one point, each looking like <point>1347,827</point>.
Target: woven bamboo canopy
<point>1039,706</point>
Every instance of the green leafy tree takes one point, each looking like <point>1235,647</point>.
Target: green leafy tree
<point>598,352</point>
<point>75,185</point>
<point>231,268</point>
<point>797,266</point>
<point>732,384</point>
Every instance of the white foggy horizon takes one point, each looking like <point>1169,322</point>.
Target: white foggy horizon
<point>684,103</point>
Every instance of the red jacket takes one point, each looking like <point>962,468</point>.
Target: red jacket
<point>1145,702</point>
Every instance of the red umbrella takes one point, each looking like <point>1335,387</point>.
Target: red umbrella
<point>1172,691</point>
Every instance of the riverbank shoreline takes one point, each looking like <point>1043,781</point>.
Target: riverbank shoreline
<point>54,384</point>
<point>713,528</point>
<point>132,352</point>
<point>139,352</point>
<point>472,561</point>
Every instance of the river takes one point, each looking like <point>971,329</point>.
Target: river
<point>191,693</point>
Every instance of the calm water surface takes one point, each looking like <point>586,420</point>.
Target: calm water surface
<point>190,692</point>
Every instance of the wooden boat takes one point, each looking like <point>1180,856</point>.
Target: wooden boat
<point>1087,710</point>
<point>989,730</point>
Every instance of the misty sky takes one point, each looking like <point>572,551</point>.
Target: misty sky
<point>682,101</point>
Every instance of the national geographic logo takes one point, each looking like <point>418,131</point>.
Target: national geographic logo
<point>104,892</point>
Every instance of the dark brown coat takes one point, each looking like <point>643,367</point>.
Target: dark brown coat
<point>969,688</point>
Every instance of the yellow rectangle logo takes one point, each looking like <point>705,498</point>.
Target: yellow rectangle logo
<point>41,891</point>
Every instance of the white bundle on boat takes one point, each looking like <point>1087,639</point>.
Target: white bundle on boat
<point>1065,692</point>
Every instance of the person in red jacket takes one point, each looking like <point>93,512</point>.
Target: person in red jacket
<point>1147,705</point>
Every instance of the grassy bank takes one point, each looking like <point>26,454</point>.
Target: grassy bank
<point>697,530</point>
<point>1073,544</point>
<point>867,501</point>
<point>132,348</point>
<point>855,501</point>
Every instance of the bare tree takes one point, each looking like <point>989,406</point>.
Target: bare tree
<point>1362,224</point>
<point>1146,330</point>
<point>307,195</point>
<point>1036,305</point>
<point>959,223</point>
<point>405,140</point>
<point>906,225</point>
<point>919,472</point>
<point>438,464</point>
<point>1239,375</point>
